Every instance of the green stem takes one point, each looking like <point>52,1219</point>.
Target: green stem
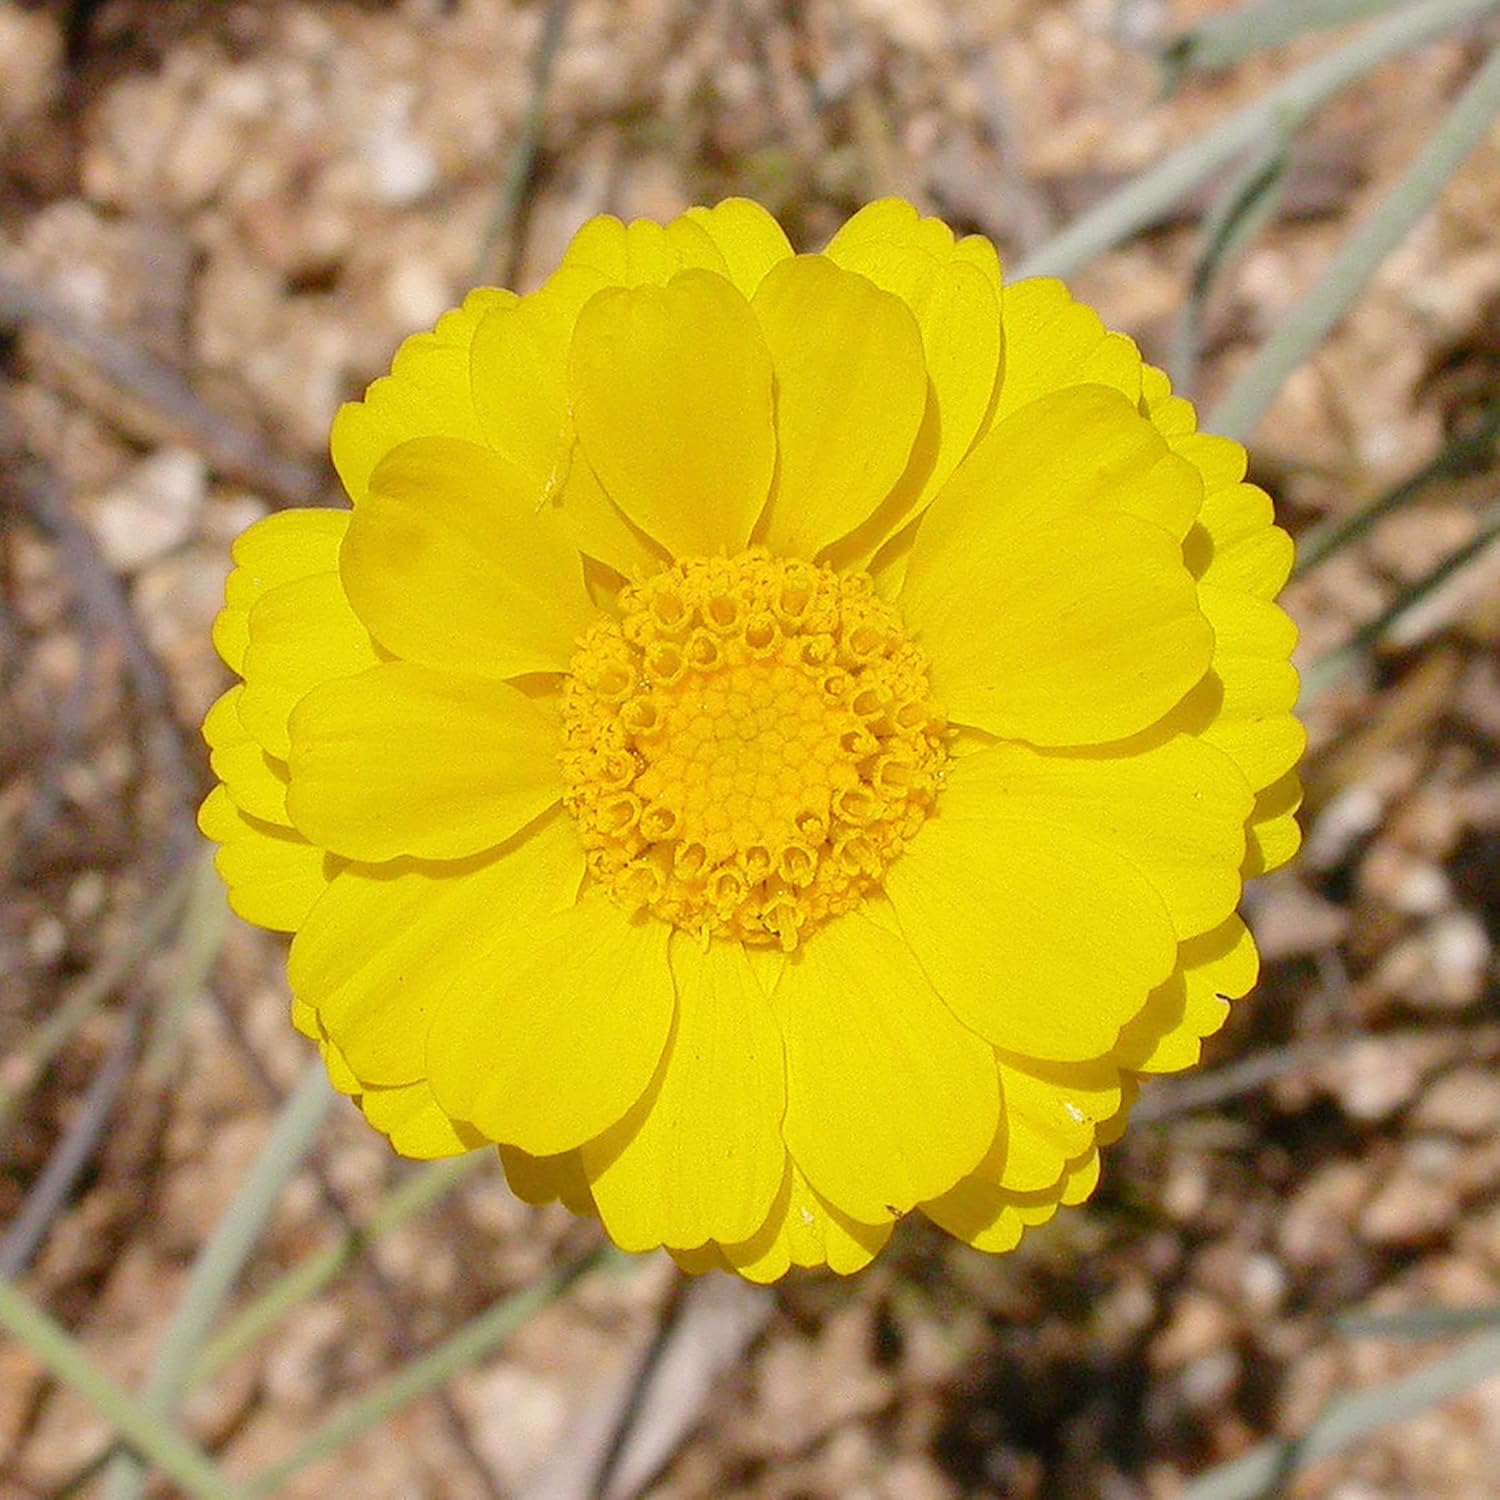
<point>1221,41</point>
<point>1310,322</point>
<point>1328,669</point>
<point>1419,1322</point>
<point>1467,451</point>
<point>423,1375</point>
<point>1268,1468</point>
<point>309,1277</point>
<point>153,1439</point>
<point>200,937</point>
<point>220,1262</point>
<point>1146,198</point>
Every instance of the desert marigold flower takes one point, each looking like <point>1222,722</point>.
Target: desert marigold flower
<point>775,744</point>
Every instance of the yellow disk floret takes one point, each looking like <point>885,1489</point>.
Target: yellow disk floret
<point>749,746</point>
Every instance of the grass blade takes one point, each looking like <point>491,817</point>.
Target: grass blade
<point>1145,198</point>
<point>152,1439</point>
<point>220,1262</point>
<point>1315,316</point>
<point>310,1275</point>
<point>1268,1468</point>
<point>1466,452</point>
<point>1221,41</point>
<point>1328,669</point>
<point>1236,217</point>
<point>423,1375</point>
<point>1420,1323</point>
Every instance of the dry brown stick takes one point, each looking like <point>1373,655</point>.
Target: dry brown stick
<point>1170,1099</point>
<point>20,1070</point>
<point>642,1413</point>
<point>52,1189</point>
<point>235,451</point>
<point>104,608</point>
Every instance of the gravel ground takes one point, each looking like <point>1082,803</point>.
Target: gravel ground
<point>216,222</point>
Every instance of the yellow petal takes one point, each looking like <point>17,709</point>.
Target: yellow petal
<point>340,1074</point>
<point>1273,835</point>
<point>695,247</point>
<point>305,1019</point>
<point>278,549</point>
<point>954,293</point>
<point>1107,1132</point>
<point>1050,1113</point>
<point>1080,1179</point>
<point>1236,545</point>
<point>404,760</point>
<point>748,238</point>
<point>1062,636</point>
<point>702,1260</point>
<point>449,564</point>
<point>1254,726</point>
<point>891,221</point>
<point>803,1229</point>
<point>255,780</point>
<point>889,1099</point>
<point>671,394</point>
<point>700,1156</point>
<point>1071,547</point>
<point>409,1116</point>
<point>990,1217</point>
<point>281,547</point>
<point>1220,460</point>
<point>427,394</point>
<point>274,876</point>
<point>520,371</point>
<point>1257,687</point>
<point>1213,969</point>
<point>1069,457</point>
<point>1052,342</point>
<point>639,253</point>
<point>1170,415</point>
<point>302,634</point>
<point>519,363</point>
<point>548,1179</point>
<point>851,387</point>
<point>557,1031</point>
<point>1176,811</point>
<point>1042,940</point>
<point>377,953</point>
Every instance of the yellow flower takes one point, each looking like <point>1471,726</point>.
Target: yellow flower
<point>775,744</point>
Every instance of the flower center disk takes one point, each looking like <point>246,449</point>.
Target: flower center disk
<point>749,746</point>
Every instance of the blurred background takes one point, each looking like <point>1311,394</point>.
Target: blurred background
<point>216,222</point>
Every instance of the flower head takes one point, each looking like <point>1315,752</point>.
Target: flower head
<point>775,744</point>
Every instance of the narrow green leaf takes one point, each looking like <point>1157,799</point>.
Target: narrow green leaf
<point>151,1438</point>
<point>421,1376</point>
<point>220,1262</point>
<point>1221,41</point>
<point>1420,1322</point>
<point>1310,322</point>
<point>1237,215</point>
<point>311,1274</point>
<point>1144,199</point>
<point>1317,678</point>
<point>1467,451</point>
<point>1268,1468</point>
